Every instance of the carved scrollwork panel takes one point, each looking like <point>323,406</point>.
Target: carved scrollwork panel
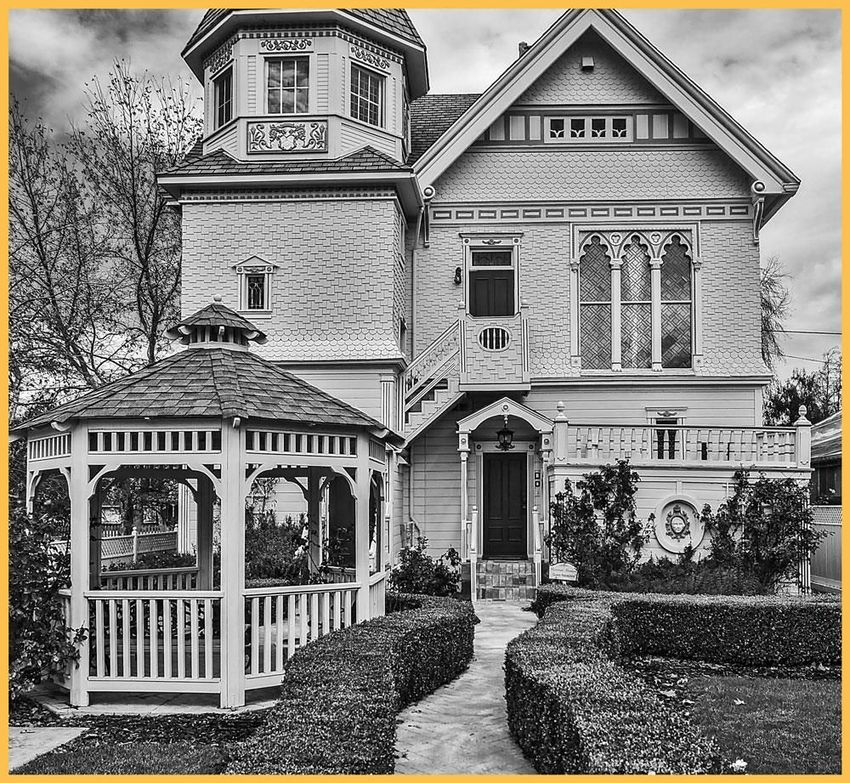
<point>288,136</point>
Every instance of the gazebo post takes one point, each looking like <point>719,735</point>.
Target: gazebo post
<point>78,492</point>
<point>361,528</point>
<point>314,528</point>
<point>232,565</point>
<point>204,529</point>
<point>95,538</point>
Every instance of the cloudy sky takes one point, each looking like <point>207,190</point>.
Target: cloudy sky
<point>776,71</point>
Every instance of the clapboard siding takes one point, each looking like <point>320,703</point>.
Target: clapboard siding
<point>360,388</point>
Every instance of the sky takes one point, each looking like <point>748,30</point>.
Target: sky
<point>776,71</point>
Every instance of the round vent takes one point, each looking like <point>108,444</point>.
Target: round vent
<point>494,338</point>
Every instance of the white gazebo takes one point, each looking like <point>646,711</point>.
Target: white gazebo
<point>214,417</point>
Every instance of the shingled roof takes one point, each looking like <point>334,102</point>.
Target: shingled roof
<point>392,20</point>
<point>220,163</point>
<point>431,116</point>
<point>211,382</point>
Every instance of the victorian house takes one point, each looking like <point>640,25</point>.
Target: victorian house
<point>434,309</point>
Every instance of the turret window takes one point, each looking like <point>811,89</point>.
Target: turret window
<point>367,96</point>
<point>223,98</point>
<point>288,85</point>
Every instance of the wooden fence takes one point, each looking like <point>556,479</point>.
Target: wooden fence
<point>826,562</point>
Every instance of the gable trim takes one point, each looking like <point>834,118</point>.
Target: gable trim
<point>778,181</point>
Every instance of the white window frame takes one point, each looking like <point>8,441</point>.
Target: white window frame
<point>588,120</point>
<point>656,238</point>
<point>249,268</point>
<point>491,243</point>
<point>265,83</point>
<point>382,105</point>
<point>227,71</point>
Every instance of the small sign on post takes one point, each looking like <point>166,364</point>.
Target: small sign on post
<point>563,572</point>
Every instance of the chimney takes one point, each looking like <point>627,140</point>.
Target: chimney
<point>523,48</point>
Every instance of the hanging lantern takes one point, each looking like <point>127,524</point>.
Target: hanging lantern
<point>505,437</point>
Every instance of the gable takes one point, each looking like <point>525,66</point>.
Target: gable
<point>611,82</point>
<point>771,181</point>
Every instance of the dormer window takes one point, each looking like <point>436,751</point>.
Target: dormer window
<point>288,85</point>
<point>223,98</point>
<point>367,96</point>
<point>255,285</point>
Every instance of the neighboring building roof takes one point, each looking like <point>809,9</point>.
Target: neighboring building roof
<point>391,20</point>
<point>826,439</point>
<point>431,116</point>
<point>220,163</point>
<point>778,182</point>
<point>211,382</point>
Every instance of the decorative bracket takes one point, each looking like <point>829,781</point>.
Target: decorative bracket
<point>758,209</point>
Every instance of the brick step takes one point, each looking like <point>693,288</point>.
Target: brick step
<point>505,580</point>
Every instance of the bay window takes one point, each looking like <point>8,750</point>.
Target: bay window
<point>288,85</point>
<point>367,96</point>
<point>223,98</point>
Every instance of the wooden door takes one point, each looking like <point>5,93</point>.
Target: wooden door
<point>505,509</point>
<point>491,292</point>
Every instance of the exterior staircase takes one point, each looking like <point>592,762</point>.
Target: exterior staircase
<point>505,580</point>
<point>431,383</point>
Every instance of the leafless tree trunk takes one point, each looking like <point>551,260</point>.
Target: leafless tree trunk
<point>775,305</point>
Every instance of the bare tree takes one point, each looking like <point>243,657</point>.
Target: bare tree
<point>135,129</point>
<point>65,334</point>
<point>775,306</point>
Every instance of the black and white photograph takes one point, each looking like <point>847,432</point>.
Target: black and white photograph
<point>424,391</point>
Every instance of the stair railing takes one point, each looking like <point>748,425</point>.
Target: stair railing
<point>436,363</point>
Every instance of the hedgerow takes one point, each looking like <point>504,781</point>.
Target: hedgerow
<point>340,694</point>
<point>572,708</point>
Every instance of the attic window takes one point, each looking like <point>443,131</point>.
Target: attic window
<point>588,129</point>
<point>255,285</point>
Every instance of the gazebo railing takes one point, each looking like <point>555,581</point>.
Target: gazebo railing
<point>154,637</point>
<point>280,620</point>
<point>184,578</point>
<point>377,593</point>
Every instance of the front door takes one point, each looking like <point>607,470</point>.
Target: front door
<point>505,516</point>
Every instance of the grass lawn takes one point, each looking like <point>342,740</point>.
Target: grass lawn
<point>776,725</point>
<point>148,758</point>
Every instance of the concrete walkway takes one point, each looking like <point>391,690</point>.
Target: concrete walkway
<point>25,744</point>
<point>461,728</point>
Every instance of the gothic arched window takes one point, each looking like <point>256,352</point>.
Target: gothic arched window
<point>595,312</point>
<point>676,304</point>
<point>636,307</point>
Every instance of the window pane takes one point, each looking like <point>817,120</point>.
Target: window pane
<point>596,336</point>
<point>287,102</point>
<point>597,128</point>
<point>302,72</point>
<point>676,272</point>
<point>636,283</point>
<point>556,129</point>
<point>256,292</point>
<point>595,272</point>
<point>274,102</point>
<point>636,335</point>
<point>287,77</point>
<point>577,128</point>
<point>492,258</point>
<point>222,88</point>
<point>676,335</point>
<point>274,73</point>
<point>301,101</point>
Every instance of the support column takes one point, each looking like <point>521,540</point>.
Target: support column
<point>575,356</point>
<point>361,528</point>
<point>560,435</point>
<point>804,439</point>
<point>463,448</point>
<point>79,544</point>
<point>388,402</point>
<point>655,284</point>
<point>204,530</point>
<point>616,315</point>
<point>696,295</point>
<point>314,526</point>
<point>95,539</point>
<point>232,565</point>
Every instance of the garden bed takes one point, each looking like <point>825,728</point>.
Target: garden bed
<point>341,694</point>
<point>573,706</point>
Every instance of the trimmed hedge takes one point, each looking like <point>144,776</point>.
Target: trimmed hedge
<point>571,708</point>
<point>340,694</point>
<point>752,630</point>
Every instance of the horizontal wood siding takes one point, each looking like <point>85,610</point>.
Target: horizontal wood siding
<point>360,388</point>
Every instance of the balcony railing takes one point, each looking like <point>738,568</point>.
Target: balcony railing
<point>768,446</point>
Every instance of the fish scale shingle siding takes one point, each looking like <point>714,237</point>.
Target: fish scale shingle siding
<point>558,175</point>
<point>612,80</point>
<point>333,291</point>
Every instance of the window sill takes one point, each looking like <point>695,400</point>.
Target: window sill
<point>261,315</point>
<point>642,372</point>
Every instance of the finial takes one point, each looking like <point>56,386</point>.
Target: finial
<point>802,411</point>
<point>561,408</point>
<point>217,298</point>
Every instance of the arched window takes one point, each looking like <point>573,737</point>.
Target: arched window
<point>636,307</point>
<point>595,310</point>
<point>676,301</point>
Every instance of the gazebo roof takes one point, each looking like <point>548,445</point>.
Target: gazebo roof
<point>211,379</point>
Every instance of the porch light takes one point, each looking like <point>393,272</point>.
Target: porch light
<point>505,437</point>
